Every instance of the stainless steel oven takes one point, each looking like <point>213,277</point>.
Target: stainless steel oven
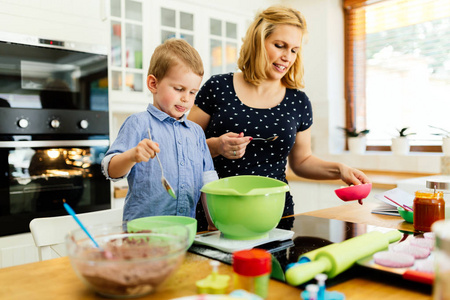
<point>54,129</point>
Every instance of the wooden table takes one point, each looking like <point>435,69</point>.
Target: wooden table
<point>55,279</point>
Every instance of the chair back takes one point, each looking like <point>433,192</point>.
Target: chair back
<point>49,233</point>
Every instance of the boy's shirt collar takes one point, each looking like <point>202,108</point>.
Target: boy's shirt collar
<point>160,115</point>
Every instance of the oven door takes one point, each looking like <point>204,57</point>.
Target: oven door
<point>36,176</point>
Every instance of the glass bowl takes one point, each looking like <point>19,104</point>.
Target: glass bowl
<point>127,264</point>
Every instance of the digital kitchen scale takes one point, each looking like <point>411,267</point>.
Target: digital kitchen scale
<point>215,239</point>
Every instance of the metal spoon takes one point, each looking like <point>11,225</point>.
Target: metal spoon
<point>269,139</point>
<point>164,181</point>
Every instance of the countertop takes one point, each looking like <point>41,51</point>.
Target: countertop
<point>55,278</point>
<point>380,179</point>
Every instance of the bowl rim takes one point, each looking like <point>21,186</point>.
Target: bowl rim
<point>208,189</point>
<point>78,239</point>
<point>354,186</point>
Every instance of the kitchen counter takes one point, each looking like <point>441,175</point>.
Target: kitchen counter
<point>56,279</point>
<point>380,179</point>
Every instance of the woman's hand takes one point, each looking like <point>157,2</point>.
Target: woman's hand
<point>233,145</point>
<point>353,176</point>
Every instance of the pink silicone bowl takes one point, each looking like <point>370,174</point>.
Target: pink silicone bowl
<point>354,192</point>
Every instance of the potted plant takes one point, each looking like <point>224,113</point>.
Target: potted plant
<point>445,139</point>
<point>400,144</point>
<point>356,140</point>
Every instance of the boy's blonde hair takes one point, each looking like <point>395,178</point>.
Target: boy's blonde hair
<point>253,60</point>
<point>171,52</point>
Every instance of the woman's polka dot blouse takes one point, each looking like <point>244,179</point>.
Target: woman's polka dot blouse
<point>218,99</point>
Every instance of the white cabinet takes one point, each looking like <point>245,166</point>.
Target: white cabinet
<point>137,27</point>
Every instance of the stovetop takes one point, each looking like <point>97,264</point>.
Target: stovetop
<point>310,233</point>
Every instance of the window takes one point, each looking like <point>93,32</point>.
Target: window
<point>223,46</point>
<point>398,69</point>
<point>177,24</point>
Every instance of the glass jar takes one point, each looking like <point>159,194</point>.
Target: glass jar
<point>440,184</point>
<point>429,207</point>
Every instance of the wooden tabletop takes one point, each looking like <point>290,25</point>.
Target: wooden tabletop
<point>55,279</point>
<point>361,214</point>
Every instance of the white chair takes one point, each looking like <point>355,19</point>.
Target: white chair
<point>49,233</point>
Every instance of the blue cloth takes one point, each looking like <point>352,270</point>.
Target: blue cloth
<point>184,155</point>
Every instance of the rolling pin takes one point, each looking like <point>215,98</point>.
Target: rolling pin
<point>336,258</point>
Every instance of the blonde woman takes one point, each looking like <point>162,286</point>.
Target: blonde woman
<point>264,100</point>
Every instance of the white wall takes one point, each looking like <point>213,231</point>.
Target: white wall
<point>80,21</point>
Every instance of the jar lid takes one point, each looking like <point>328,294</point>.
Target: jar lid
<point>253,262</point>
<point>439,185</point>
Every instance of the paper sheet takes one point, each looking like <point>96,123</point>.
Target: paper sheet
<point>389,207</point>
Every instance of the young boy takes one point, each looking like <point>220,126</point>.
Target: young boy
<point>174,77</point>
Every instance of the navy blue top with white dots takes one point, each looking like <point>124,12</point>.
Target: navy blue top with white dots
<point>218,99</point>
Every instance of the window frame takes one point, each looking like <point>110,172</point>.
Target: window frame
<point>354,73</point>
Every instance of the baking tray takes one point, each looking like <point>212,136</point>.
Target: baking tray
<point>410,273</point>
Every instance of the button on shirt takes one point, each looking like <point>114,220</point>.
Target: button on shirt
<point>184,155</point>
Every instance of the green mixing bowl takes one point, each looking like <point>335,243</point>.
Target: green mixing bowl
<point>245,207</point>
<point>146,222</point>
<point>407,215</point>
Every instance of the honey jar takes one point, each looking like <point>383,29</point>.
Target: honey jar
<point>429,207</point>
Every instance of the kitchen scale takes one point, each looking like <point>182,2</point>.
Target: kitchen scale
<point>215,239</point>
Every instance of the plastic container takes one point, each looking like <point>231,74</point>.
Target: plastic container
<point>429,207</point>
<point>252,270</point>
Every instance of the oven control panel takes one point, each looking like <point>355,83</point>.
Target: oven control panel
<point>52,121</point>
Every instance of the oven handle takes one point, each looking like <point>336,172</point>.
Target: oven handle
<point>59,143</point>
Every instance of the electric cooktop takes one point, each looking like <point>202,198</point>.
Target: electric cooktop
<point>310,233</point>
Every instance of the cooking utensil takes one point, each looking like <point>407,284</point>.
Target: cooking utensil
<point>73,214</point>
<point>141,262</point>
<point>269,139</point>
<point>405,207</point>
<point>336,258</point>
<point>146,222</point>
<point>164,181</point>
<point>245,207</point>
<point>407,215</point>
<point>354,192</point>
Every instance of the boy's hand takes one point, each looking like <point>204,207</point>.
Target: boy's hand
<point>145,150</point>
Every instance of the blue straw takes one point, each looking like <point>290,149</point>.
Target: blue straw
<point>72,213</point>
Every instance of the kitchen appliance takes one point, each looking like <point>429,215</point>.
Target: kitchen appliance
<point>216,239</point>
<point>54,129</point>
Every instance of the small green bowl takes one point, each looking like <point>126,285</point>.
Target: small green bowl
<point>190,223</point>
<point>407,215</point>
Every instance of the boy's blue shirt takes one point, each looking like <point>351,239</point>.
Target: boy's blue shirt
<point>184,156</point>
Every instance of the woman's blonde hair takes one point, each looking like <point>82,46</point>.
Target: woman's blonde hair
<point>172,52</point>
<point>253,60</point>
